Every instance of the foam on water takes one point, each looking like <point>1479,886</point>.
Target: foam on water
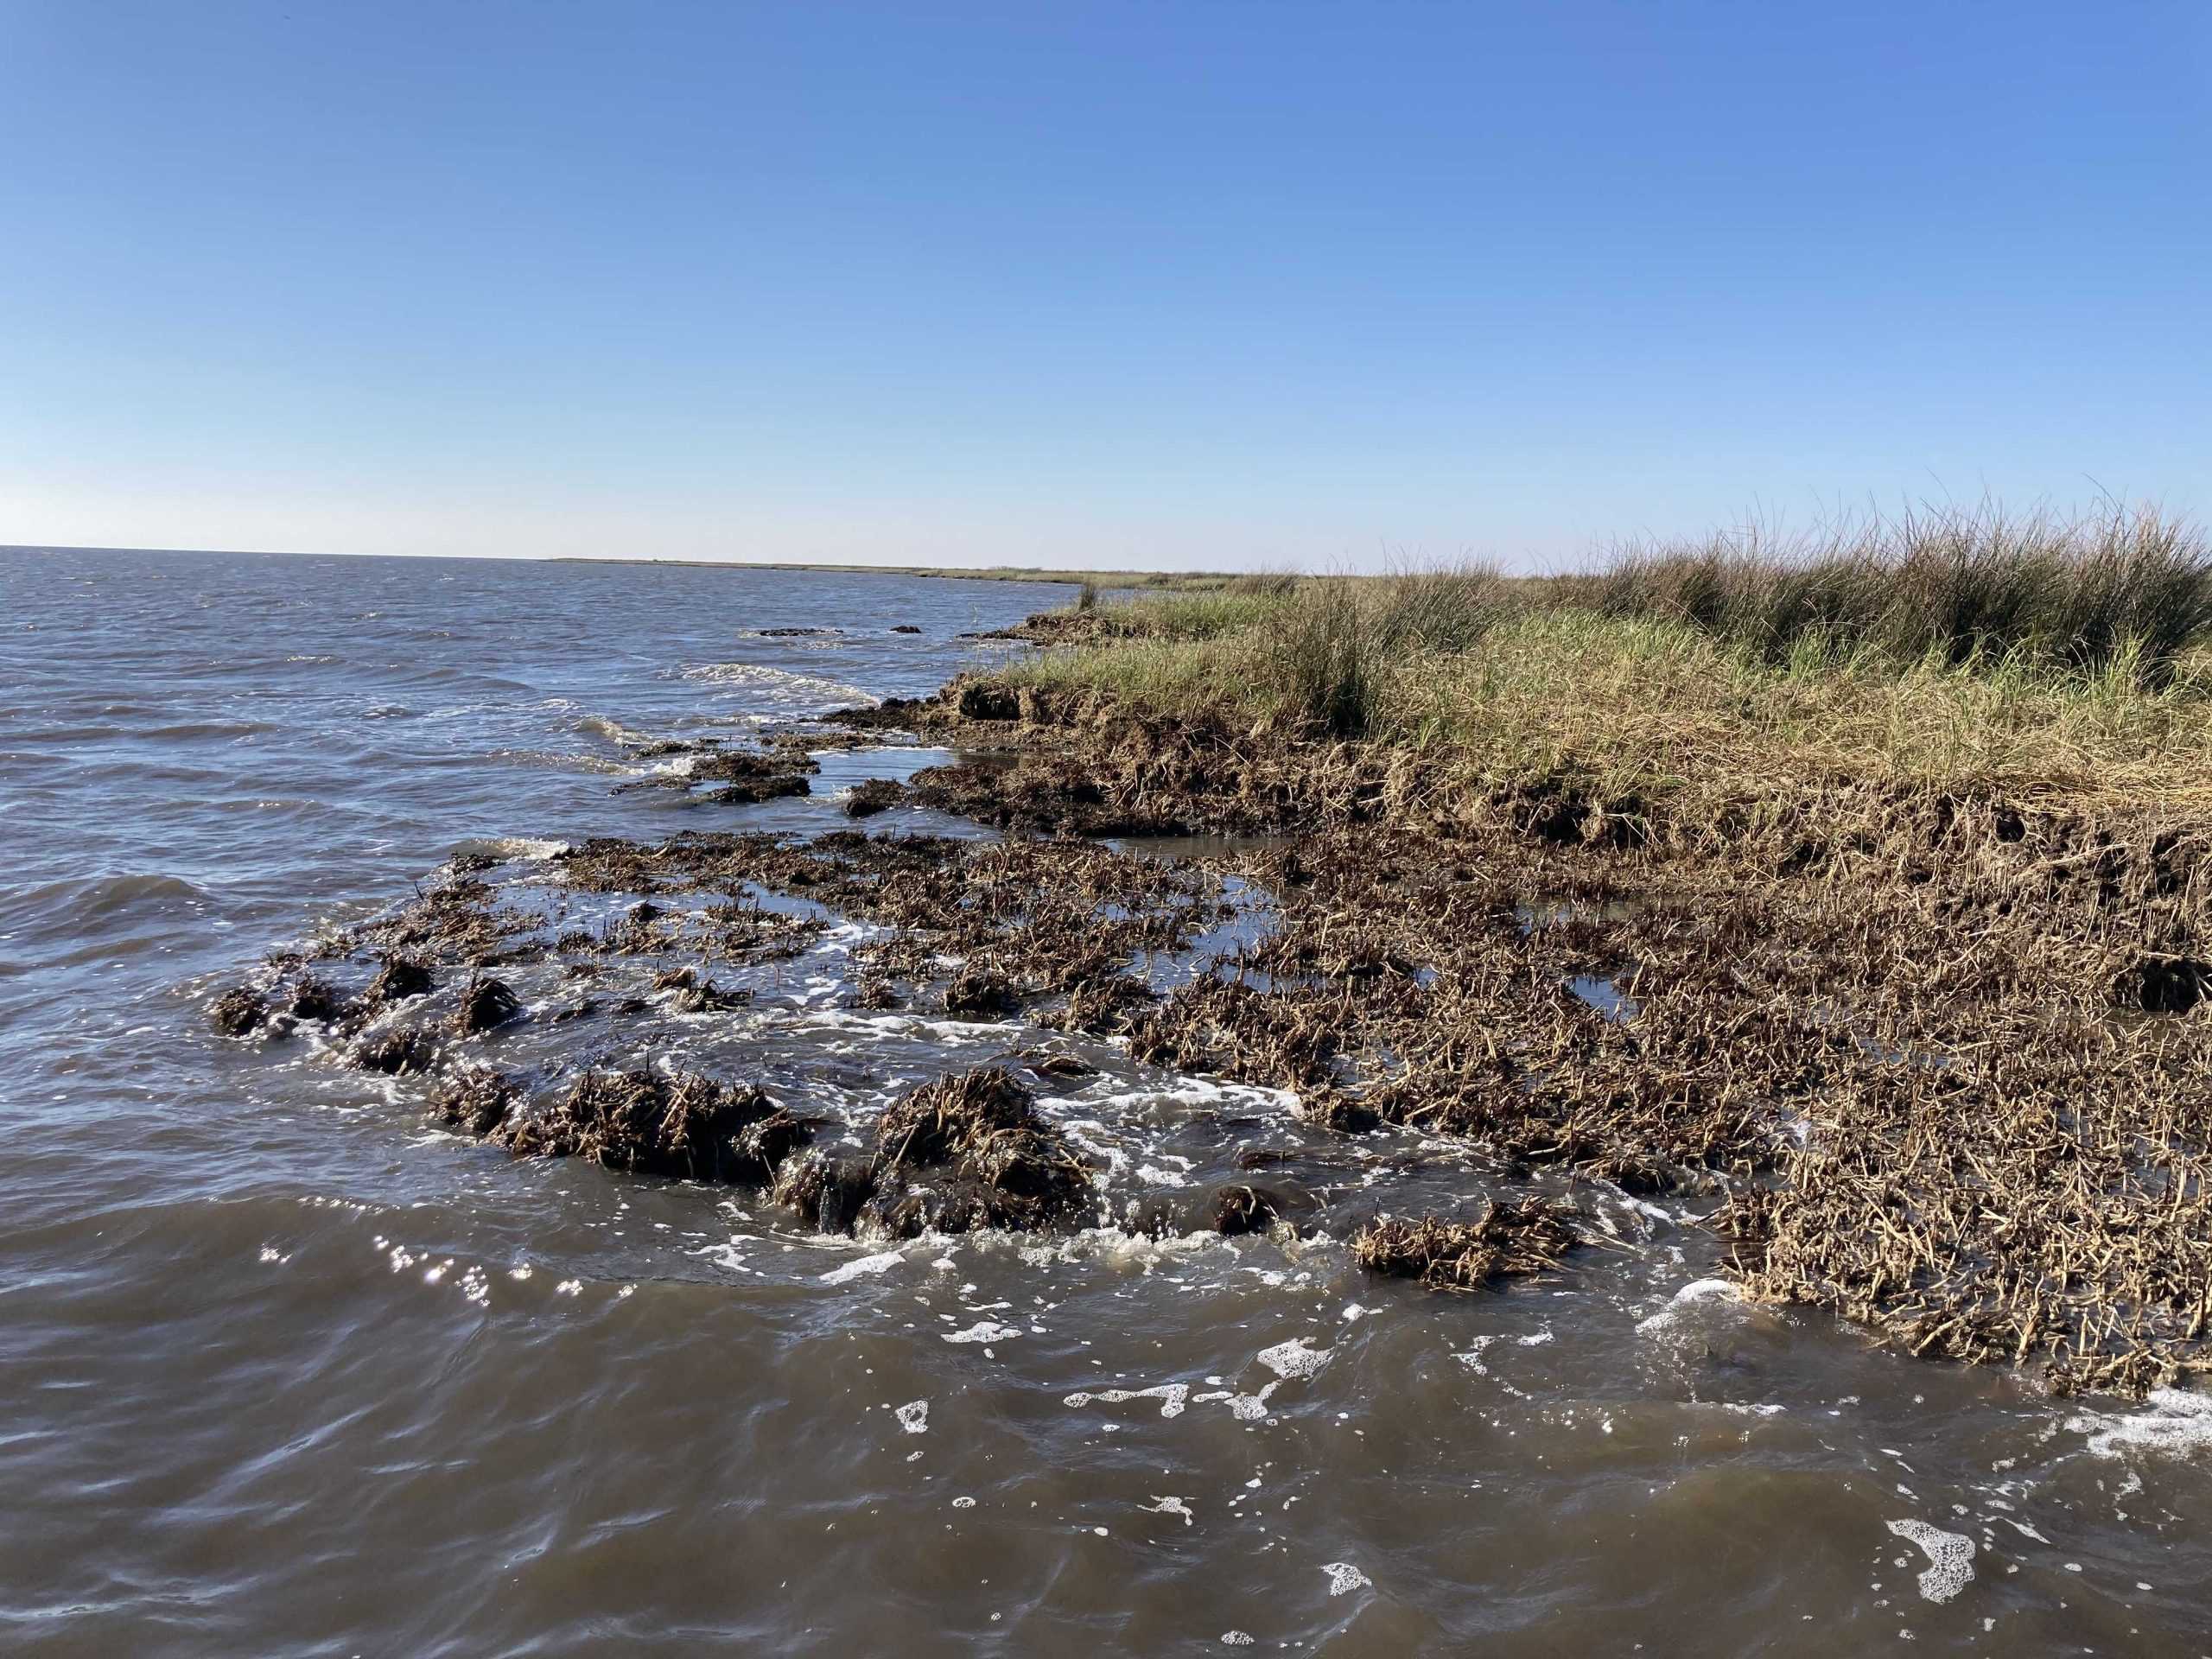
<point>781,686</point>
<point>863,1266</point>
<point>1951,1558</point>
<point>2173,1423</point>
<point>1171,1396</point>
<point>1295,1358</point>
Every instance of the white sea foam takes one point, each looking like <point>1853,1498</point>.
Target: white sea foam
<point>914,1416</point>
<point>777,684</point>
<point>1345,1578</point>
<point>2173,1423</point>
<point>1297,1357</point>
<point>985,1330</point>
<point>535,848</point>
<point>862,1267</point>
<point>1171,1395</point>
<point>1471,1355</point>
<point>1951,1558</point>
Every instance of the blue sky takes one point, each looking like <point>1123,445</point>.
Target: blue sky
<point>1192,285</point>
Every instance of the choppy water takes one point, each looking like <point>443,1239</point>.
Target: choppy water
<point>283,1372</point>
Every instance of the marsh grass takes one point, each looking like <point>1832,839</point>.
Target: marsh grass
<point>1958,586</point>
<point>1504,687</point>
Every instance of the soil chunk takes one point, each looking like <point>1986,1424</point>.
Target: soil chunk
<point>874,796</point>
<point>684,1125</point>
<point>1239,1208</point>
<point>970,1151</point>
<point>1508,1239</point>
<point>485,1002</point>
<point>401,1050</point>
<point>316,999</point>
<point>474,1099</point>
<point>397,979</point>
<point>979,994</point>
<point>238,1011</point>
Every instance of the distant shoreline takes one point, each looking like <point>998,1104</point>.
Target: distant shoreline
<point>1173,579</point>
<point>1178,581</point>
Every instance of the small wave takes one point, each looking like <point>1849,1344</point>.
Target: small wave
<point>510,849</point>
<point>104,896</point>
<point>193,730</point>
<point>779,685</point>
<point>614,730</point>
<point>595,763</point>
<point>1699,1292</point>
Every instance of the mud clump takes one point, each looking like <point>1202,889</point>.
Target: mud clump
<point>2163,984</point>
<point>769,1141</point>
<point>684,1125</point>
<point>980,700</point>
<point>1239,1209</point>
<point>474,1099</point>
<point>402,1050</point>
<point>875,795</point>
<point>874,994</point>
<point>979,994</point>
<point>455,923</point>
<point>827,1191</point>
<point>317,999</point>
<point>970,1151</point>
<point>748,777</point>
<point>485,1002</point>
<point>1508,1239</point>
<point>694,993</point>
<point>238,1011</point>
<point>397,979</point>
<point>1063,1066</point>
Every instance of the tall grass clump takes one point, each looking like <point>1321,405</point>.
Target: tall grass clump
<point>1951,585</point>
<point>1086,597</point>
<point>1262,584</point>
<point>1336,654</point>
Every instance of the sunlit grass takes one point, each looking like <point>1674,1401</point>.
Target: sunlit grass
<point>1470,671</point>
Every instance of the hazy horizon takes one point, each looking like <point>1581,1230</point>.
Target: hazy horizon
<point>1201,287</point>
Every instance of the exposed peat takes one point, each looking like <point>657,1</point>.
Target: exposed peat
<point>970,1151</point>
<point>683,1125</point>
<point>1508,1240</point>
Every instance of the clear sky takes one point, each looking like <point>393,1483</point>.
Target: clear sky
<point>1188,284</point>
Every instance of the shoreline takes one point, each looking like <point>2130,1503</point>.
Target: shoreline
<point>1867,1011</point>
<point>1919,1057</point>
<point>1154,580</point>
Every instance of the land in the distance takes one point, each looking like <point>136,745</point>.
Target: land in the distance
<point>1166,581</point>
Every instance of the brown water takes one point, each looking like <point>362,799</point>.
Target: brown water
<point>284,1371</point>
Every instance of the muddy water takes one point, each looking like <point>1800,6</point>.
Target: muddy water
<point>284,1371</point>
